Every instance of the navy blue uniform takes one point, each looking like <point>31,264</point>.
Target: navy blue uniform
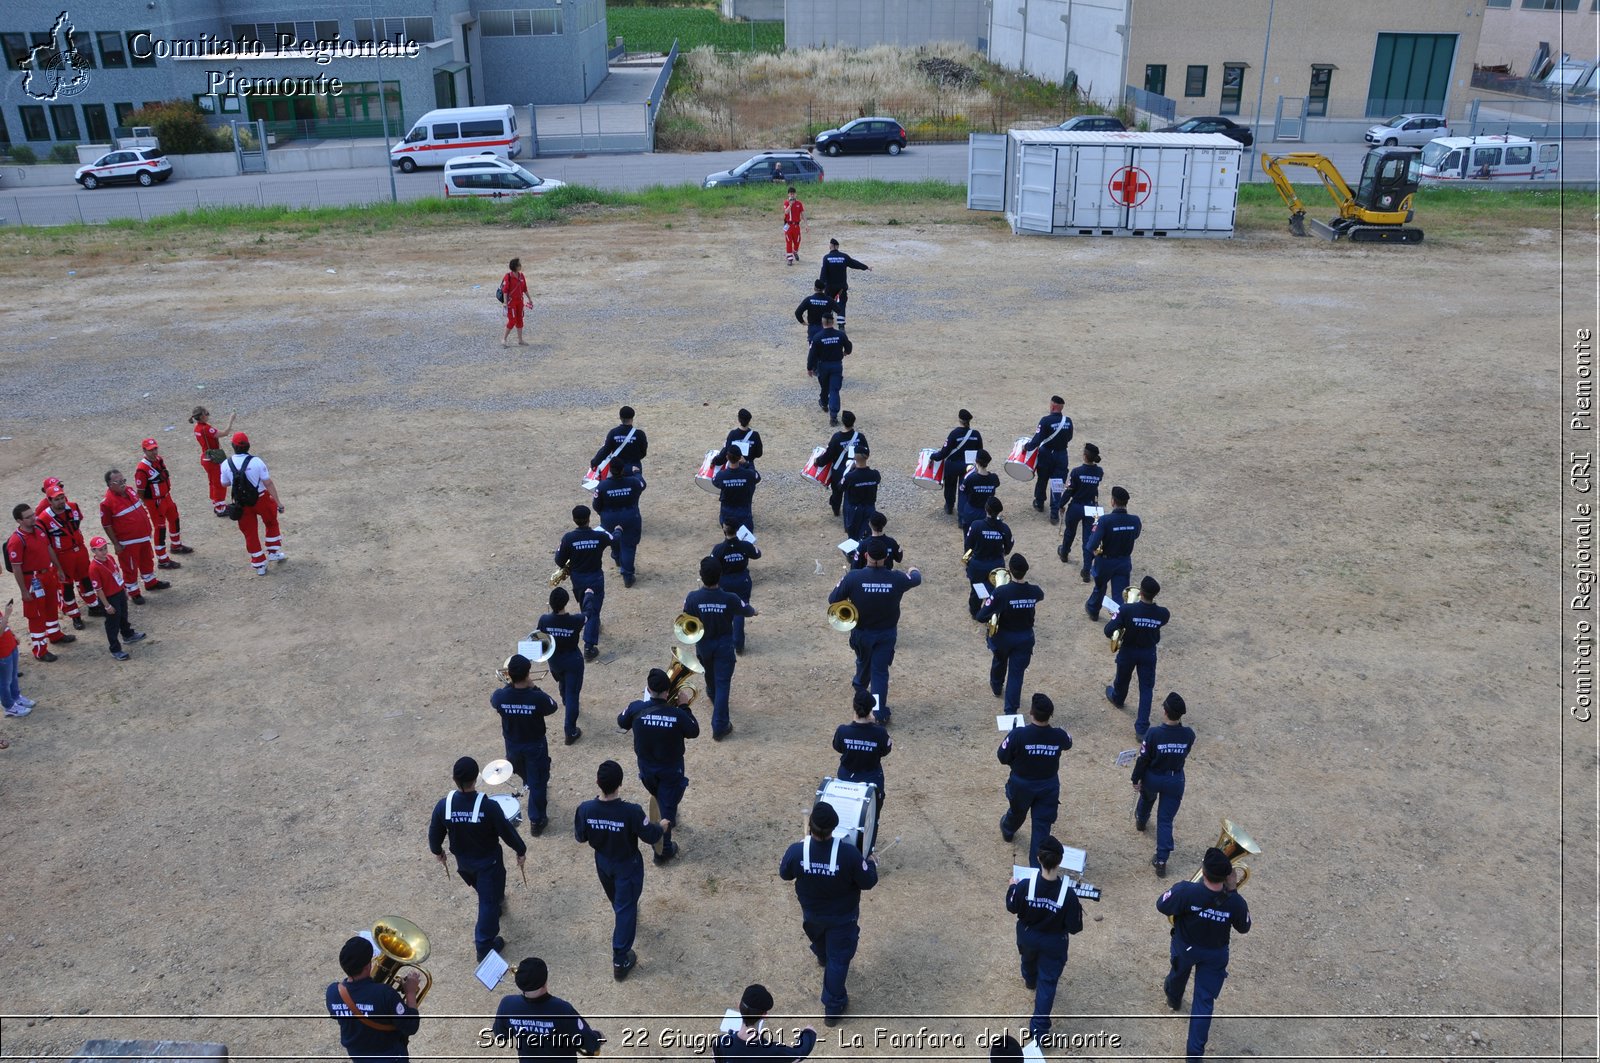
<point>382,1005</point>
<point>1047,912</point>
<point>825,358</point>
<point>762,1046</point>
<point>954,456</point>
<point>861,746</point>
<point>1113,538</point>
<point>614,829</point>
<point>1034,753</point>
<point>860,499</point>
<point>891,551</point>
<point>627,443</point>
<point>735,556</point>
<point>876,594</point>
<point>745,440</point>
<point>616,503</point>
<point>544,1028</point>
<point>1201,921</point>
<point>809,313</point>
<point>566,665</point>
<point>584,548</point>
<point>1140,623</point>
<point>838,455</point>
<point>828,878</point>
<point>977,487</point>
<point>1083,489</point>
<point>476,826</point>
<point>989,539</point>
<point>738,488</point>
<point>1055,432</point>
<point>835,280</point>
<point>1011,647</point>
<point>1159,773</point>
<point>522,714</point>
<point>717,609</point>
<point>659,729</point>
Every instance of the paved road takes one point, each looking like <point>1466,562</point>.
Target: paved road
<point>56,205</point>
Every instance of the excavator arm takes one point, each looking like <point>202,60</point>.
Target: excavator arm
<point>1369,216</point>
<point>1343,198</point>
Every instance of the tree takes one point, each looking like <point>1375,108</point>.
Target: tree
<point>180,126</point>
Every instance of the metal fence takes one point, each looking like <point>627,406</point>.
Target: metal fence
<point>659,92</point>
<point>285,132</point>
<point>1163,107</point>
<point>581,128</point>
<point>1561,117</point>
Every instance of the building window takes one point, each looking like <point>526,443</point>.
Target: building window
<point>1317,98</point>
<point>15,46</point>
<point>1499,3</point>
<point>276,36</point>
<point>1155,78</point>
<point>395,30</point>
<point>1550,5</point>
<point>1232,87</point>
<point>148,40</point>
<point>123,111</point>
<point>33,123</point>
<point>538,22</point>
<point>112,52</point>
<point>65,120</point>
<point>1194,82</point>
<point>94,120</point>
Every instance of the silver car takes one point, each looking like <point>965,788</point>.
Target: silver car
<point>1413,129</point>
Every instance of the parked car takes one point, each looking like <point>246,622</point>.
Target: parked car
<point>1213,124</point>
<point>774,167</point>
<point>1414,130</point>
<point>490,175</point>
<point>148,166</point>
<point>864,135</point>
<point>1093,123</point>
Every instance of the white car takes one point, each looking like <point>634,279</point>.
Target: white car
<point>490,175</point>
<point>148,166</point>
<point>1411,129</point>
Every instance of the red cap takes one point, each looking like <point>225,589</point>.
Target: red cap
<point>98,542</point>
<point>240,439</point>
<point>53,487</point>
<point>149,444</point>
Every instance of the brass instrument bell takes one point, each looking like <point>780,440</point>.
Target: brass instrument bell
<point>966,557</point>
<point>843,616</point>
<point>401,944</point>
<point>560,575</point>
<point>688,628</point>
<point>1234,842</point>
<point>999,576</point>
<point>684,664</point>
<point>1129,596</point>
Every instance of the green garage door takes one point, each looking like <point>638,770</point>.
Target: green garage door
<point>1410,72</point>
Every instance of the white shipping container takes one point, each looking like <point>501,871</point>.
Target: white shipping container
<point>1107,184</point>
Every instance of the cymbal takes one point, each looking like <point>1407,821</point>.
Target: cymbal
<point>496,772</point>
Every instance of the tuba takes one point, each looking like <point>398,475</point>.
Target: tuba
<point>999,576</point>
<point>1129,596</point>
<point>684,664</point>
<point>1234,842</point>
<point>560,574</point>
<point>688,628</point>
<point>538,647</point>
<point>843,616</point>
<point>401,944</point>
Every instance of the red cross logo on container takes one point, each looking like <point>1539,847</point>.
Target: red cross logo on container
<point>1130,186</point>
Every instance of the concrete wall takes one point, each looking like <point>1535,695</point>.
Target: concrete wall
<point>754,10</point>
<point>1510,35</point>
<point>1178,33</point>
<point>1047,38</point>
<point>562,68</point>
<point>864,23</point>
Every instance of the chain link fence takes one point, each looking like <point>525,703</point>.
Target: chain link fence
<point>110,204</point>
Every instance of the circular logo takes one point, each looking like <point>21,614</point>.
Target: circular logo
<point>63,77</point>
<point>1130,186</point>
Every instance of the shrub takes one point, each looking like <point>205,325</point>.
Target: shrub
<point>23,155</point>
<point>67,153</point>
<point>180,126</point>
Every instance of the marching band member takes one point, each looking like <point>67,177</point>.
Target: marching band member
<point>736,482</point>
<point>1014,605</point>
<point>744,439</point>
<point>211,456</point>
<point>522,708</point>
<point>1051,440</point>
<point>476,826</point>
<point>835,276</point>
<point>616,503</point>
<point>735,555</point>
<point>862,744</point>
<point>613,828</point>
<point>978,486</point>
<point>715,608</point>
<point>1140,623</point>
<point>1158,776</point>
<point>375,1023</point>
<point>1033,751</point>
<point>580,553</point>
<point>751,1041</point>
<point>875,591</point>
<point>660,725</point>
<point>566,664</point>
<point>1202,913</point>
<point>957,444</point>
<point>892,552</point>
<point>543,1028</point>
<point>624,443</point>
<point>154,484</point>
<point>1083,489</point>
<point>1048,912</point>
<point>1111,546</point>
<point>825,362</point>
<point>860,494</point>
<point>810,313</point>
<point>828,875</point>
<point>988,541</point>
<point>836,455</point>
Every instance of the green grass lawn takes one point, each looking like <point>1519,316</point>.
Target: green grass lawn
<point>652,29</point>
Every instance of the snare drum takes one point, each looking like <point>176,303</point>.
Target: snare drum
<point>1021,463</point>
<point>707,470</point>
<point>592,480</point>
<point>817,474</point>
<point>930,473</point>
<point>857,805</point>
<point>510,806</point>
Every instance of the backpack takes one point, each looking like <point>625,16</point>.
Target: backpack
<point>500,293</point>
<point>245,493</point>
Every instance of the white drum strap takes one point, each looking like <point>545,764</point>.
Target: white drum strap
<point>1060,423</point>
<point>477,807</point>
<point>833,857</point>
<point>848,451</point>
<point>1061,898</point>
<point>963,443</point>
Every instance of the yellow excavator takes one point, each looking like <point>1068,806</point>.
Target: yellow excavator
<point>1377,210</point>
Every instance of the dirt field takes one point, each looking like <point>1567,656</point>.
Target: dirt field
<point>1337,453</point>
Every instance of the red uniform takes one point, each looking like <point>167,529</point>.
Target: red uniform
<point>105,577</point>
<point>28,553</point>
<point>206,436</point>
<point>792,210</point>
<point>66,536</point>
<point>130,529</point>
<point>150,479</point>
<point>514,286</point>
<point>265,511</point>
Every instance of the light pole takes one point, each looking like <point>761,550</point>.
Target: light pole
<point>1261,91</point>
<point>383,100</point>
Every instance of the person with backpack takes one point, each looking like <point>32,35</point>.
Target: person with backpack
<point>514,293</point>
<point>255,498</point>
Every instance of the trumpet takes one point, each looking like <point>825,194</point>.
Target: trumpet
<point>688,628</point>
<point>1234,841</point>
<point>560,574</point>
<point>401,944</point>
<point>684,664</point>
<point>843,616</point>
<point>966,557</point>
<point>1129,596</point>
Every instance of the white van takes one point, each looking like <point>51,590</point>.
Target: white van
<point>440,136</point>
<point>490,175</point>
<point>1452,160</point>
